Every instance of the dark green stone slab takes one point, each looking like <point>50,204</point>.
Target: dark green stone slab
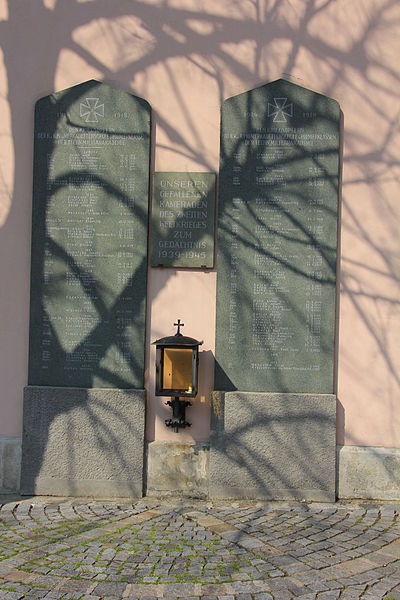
<point>277,241</point>
<point>89,238</point>
<point>183,217</point>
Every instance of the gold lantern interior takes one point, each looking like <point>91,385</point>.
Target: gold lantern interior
<point>177,369</point>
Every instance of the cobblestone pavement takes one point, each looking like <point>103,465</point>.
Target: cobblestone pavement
<point>88,549</point>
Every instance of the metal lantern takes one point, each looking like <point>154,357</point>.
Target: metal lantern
<point>177,363</point>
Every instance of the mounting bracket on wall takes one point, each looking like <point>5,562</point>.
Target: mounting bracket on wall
<point>178,414</point>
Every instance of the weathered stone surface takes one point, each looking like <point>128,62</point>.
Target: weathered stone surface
<point>10,464</point>
<point>275,446</point>
<point>174,467</point>
<point>367,472</point>
<point>89,238</point>
<point>277,241</point>
<point>83,441</point>
<point>183,220</point>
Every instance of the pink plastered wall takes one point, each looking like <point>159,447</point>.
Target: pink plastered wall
<point>185,57</point>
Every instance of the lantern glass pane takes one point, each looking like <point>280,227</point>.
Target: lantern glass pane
<point>177,373</point>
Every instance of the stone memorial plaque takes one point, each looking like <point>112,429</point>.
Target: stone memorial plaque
<point>277,241</point>
<point>89,238</point>
<point>183,216</point>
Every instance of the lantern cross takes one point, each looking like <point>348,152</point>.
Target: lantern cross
<point>179,325</point>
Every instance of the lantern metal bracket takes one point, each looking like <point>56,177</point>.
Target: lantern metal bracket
<point>178,414</point>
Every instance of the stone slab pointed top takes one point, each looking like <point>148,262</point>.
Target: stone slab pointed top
<point>89,238</point>
<point>277,240</point>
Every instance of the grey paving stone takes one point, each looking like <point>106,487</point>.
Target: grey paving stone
<point>35,594</point>
<point>329,595</point>
<point>110,589</point>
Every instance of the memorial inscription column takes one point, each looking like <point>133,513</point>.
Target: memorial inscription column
<point>276,260</point>
<point>85,397</point>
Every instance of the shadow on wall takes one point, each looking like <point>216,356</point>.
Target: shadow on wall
<point>124,42</point>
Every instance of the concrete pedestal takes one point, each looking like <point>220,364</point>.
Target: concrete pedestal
<point>273,446</point>
<point>83,442</point>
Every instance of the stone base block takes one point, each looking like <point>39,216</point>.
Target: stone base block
<point>273,446</point>
<point>83,442</point>
<point>367,472</point>
<point>174,468</point>
<point>10,464</point>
